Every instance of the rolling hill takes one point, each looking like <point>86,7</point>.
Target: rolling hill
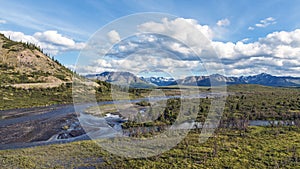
<point>26,63</point>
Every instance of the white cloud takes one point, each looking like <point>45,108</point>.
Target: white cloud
<point>272,53</point>
<point>103,63</point>
<point>196,37</point>
<point>19,36</point>
<point>185,30</point>
<point>179,48</point>
<point>128,46</point>
<point>276,53</point>
<point>140,63</point>
<point>277,44</point>
<point>154,26</point>
<point>250,28</point>
<point>264,23</point>
<point>113,36</point>
<point>54,38</point>
<point>2,21</point>
<point>224,50</point>
<point>238,72</point>
<point>223,22</point>
<point>245,40</point>
<point>283,44</point>
<point>50,41</point>
<point>262,64</point>
<point>283,37</point>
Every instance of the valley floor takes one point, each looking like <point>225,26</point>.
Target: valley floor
<point>252,147</point>
<point>259,147</point>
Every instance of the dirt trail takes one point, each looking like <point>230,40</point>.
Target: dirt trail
<point>48,84</point>
<point>38,85</point>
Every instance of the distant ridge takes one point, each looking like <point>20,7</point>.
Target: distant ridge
<point>121,78</point>
<point>260,79</point>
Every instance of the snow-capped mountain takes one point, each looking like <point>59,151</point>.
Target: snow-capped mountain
<point>160,81</point>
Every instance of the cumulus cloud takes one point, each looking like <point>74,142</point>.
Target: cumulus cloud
<point>272,53</point>
<point>196,38</point>
<point>51,41</point>
<point>188,31</point>
<point>147,52</point>
<point>277,53</point>
<point>137,63</point>
<point>223,22</point>
<point>283,38</point>
<point>2,21</point>
<point>113,36</point>
<point>154,44</point>
<point>283,44</point>
<point>180,48</point>
<point>19,36</point>
<point>169,45</point>
<point>54,38</point>
<point>277,44</point>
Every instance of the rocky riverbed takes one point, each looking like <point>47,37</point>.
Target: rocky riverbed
<point>27,130</point>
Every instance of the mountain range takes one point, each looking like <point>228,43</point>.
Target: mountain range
<point>260,79</point>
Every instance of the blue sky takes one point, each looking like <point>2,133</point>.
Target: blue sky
<point>250,22</point>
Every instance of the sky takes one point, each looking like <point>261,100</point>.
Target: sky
<point>248,37</point>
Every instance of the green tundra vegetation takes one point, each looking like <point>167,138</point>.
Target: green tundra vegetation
<point>258,147</point>
<point>260,102</point>
<point>16,97</point>
<point>244,103</point>
<point>21,98</point>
